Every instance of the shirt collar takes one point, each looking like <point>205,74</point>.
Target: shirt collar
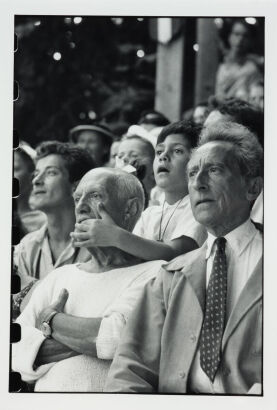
<point>41,233</point>
<point>237,239</point>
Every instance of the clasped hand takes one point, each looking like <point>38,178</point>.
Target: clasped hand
<point>95,232</point>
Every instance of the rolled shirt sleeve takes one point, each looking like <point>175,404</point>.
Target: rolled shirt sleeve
<point>117,315</point>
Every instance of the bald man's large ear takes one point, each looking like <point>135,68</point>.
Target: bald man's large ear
<point>254,188</point>
<point>132,208</point>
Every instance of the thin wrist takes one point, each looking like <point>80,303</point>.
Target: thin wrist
<point>119,237</point>
<point>54,322</point>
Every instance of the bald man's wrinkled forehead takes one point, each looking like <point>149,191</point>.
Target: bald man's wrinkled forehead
<point>96,172</point>
<point>96,178</point>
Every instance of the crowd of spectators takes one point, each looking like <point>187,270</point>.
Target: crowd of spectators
<point>100,216</point>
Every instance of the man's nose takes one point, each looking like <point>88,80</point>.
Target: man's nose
<point>81,207</point>
<point>200,181</point>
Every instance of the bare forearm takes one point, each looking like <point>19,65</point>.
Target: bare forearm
<point>53,351</point>
<point>79,334</point>
<point>148,249</point>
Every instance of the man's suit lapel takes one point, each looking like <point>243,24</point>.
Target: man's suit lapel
<point>197,279</point>
<point>248,297</point>
<point>194,267</point>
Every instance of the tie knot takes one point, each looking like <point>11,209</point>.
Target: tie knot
<point>220,243</point>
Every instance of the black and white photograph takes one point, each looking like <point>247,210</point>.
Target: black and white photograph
<point>138,258</point>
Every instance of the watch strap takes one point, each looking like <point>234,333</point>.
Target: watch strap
<point>50,317</point>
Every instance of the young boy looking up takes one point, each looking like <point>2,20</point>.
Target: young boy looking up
<point>164,231</point>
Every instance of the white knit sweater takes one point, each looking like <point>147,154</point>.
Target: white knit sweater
<point>111,295</point>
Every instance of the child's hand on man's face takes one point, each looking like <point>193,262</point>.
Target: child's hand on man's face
<point>94,232</point>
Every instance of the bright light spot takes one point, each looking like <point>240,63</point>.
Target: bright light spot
<point>250,20</point>
<point>77,20</point>
<point>72,45</point>
<point>140,53</point>
<point>57,56</point>
<point>117,20</point>
<point>67,20</point>
<point>218,22</point>
<point>92,115</point>
<point>195,47</point>
<point>140,19</point>
<point>82,115</point>
<point>37,23</point>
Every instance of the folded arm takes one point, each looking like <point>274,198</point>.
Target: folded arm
<point>77,333</point>
<point>53,351</point>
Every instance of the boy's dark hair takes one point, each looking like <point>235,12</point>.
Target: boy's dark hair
<point>188,129</point>
<point>77,160</point>
<point>243,113</point>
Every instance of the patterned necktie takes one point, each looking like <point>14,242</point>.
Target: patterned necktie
<point>214,320</point>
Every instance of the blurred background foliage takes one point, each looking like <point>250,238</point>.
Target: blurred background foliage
<point>74,70</point>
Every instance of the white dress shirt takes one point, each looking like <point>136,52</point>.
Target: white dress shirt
<point>244,247</point>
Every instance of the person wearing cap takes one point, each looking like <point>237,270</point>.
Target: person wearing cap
<point>96,138</point>
<point>24,216</point>
<point>152,119</point>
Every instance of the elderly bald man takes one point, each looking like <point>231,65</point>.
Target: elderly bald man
<point>198,327</point>
<point>73,322</point>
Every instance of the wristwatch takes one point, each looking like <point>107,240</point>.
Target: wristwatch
<point>46,325</point>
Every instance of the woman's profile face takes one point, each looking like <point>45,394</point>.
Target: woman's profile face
<point>239,38</point>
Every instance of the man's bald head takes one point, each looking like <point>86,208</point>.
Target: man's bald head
<point>121,194</point>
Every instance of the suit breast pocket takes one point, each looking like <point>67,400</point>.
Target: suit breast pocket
<point>257,346</point>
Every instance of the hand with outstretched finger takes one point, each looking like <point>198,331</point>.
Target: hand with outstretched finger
<point>95,232</point>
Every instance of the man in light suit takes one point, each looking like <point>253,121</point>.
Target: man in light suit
<point>198,326</point>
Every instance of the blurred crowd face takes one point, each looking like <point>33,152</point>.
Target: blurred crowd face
<point>170,164</point>
<point>218,192</point>
<point>22,173</point>
<point>256,96</point>
<point>113,153</point>
<point>94,144</point>
<point>239,38</point>
<point>214,117</point>
<point>135,152</point>
<point>200,114</point>
<point>51,186</point>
